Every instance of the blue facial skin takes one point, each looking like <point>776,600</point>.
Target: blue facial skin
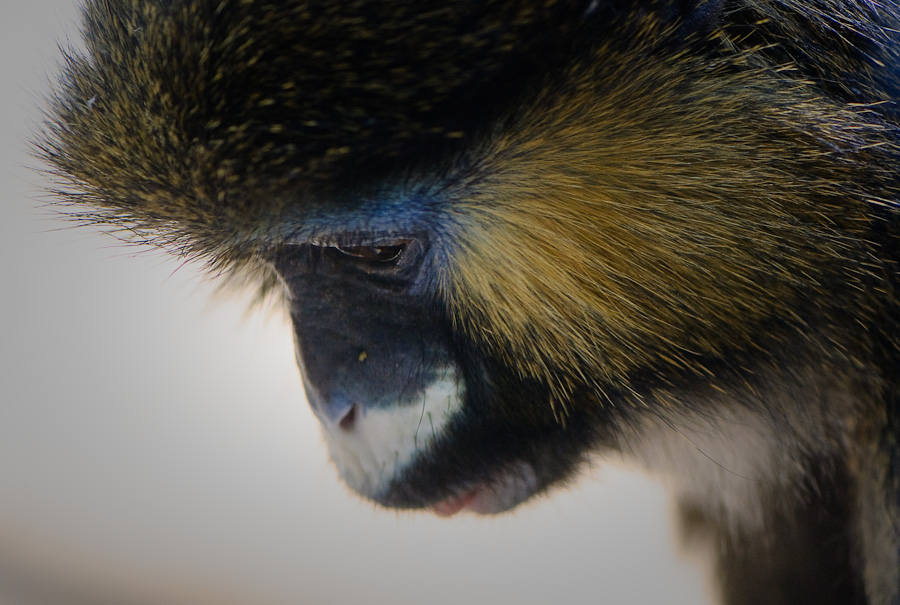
<point>367,331</point>
<point>407,212</point>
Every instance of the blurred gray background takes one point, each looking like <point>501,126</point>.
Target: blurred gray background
<point>156,447</point>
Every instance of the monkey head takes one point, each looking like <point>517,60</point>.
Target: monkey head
<point>506,232</point>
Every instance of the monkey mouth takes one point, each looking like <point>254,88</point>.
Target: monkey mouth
<point>501,494</point>
<point>454,504</point>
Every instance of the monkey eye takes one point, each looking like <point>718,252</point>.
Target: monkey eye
<point>373,254</point>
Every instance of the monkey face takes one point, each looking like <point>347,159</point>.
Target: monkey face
<point>414,415</point>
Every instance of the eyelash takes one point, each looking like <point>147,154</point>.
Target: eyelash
<point>372,254</point>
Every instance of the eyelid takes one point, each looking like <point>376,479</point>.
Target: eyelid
<point>359,239</point>
<point>330,255</point>
<point>373,254</point>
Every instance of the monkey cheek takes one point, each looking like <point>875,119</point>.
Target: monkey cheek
<point>383,441</point>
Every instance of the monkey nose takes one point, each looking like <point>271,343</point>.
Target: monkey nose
<point>348,420</point>
<point>333,409</point>
<point>341,414</point>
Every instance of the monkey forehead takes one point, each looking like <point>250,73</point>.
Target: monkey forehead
<point>189,120</point>
<point>295,87</point>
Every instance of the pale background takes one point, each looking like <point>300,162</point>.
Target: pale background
<point>155,445</point>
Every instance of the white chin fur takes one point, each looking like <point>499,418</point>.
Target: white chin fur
<point>384,441</point>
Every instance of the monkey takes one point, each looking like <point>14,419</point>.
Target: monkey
<point>513,236</point>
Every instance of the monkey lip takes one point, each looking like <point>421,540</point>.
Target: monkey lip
<point>454,504</point>
<point>501,493</point>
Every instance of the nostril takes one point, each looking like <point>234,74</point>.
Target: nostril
<point>349,420</point>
